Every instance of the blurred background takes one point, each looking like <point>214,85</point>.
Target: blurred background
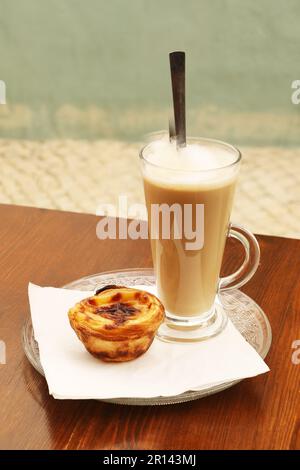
<point>87,79</point>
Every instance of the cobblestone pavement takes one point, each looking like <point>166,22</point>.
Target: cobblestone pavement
<point>78,175</point>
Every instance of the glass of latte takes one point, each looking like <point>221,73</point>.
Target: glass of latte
<point>189,195</point>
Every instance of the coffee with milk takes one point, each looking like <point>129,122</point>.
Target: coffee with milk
<point>199,181</point>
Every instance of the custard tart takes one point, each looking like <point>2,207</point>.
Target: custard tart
<point>118,323</point>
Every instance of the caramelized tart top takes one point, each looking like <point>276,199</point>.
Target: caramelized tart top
<point>117,312</point>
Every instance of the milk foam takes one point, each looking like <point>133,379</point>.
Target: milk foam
<point>206,163</point>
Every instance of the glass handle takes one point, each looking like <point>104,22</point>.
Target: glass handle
<point>250,263</point>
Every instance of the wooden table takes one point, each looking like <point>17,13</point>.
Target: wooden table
<point>52,248</point>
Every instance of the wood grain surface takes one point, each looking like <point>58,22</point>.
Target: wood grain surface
<point>53,248</point>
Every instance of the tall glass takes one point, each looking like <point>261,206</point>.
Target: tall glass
<point>187,259</point>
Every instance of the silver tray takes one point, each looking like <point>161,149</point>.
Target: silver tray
<point>245,314</point>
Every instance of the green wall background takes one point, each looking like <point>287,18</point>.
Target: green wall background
<point>96,68</point>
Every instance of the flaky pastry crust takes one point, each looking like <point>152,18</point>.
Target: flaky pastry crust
<point>118,323</point>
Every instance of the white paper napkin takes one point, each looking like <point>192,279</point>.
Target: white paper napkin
<point>165,369</point>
